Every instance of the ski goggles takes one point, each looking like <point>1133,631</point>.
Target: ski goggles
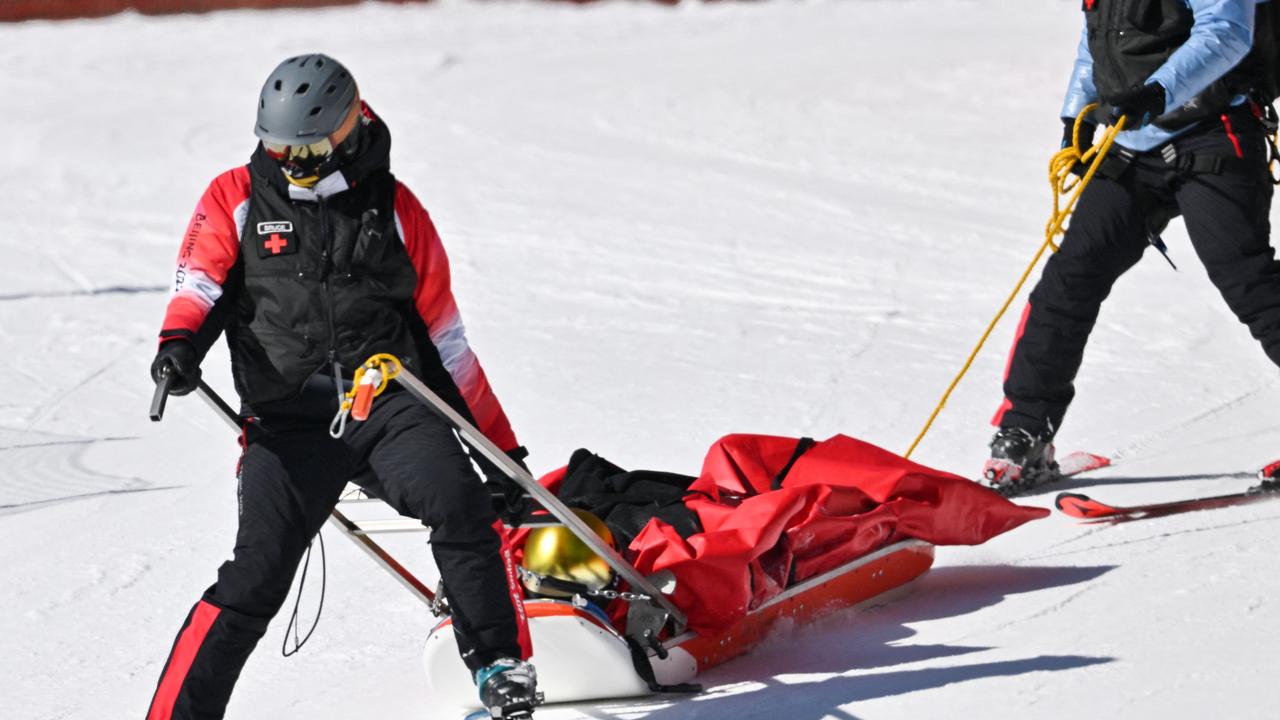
<point>307,161</point>
<point>316,152</point>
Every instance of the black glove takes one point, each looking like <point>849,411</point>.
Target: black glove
<point>510,501</point>
<point>1087,129</point>
<point>179,359</point>
<point>519,453</point>
<point>1139,105</point>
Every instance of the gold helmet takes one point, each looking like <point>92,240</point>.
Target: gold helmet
<point>555,552</point>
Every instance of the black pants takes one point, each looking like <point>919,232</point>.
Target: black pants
<point>291,475</point>
<point>1226,215</point>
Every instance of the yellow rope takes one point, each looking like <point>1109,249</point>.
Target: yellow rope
<point>1061,181</point>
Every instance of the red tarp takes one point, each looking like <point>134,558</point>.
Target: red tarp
<point>840,500</point>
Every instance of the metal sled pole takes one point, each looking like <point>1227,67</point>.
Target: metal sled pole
<point>383,558</point>
<point>340,521</point>
<point>546,498</point>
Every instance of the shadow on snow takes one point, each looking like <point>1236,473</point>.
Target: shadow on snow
<point>801,674</point>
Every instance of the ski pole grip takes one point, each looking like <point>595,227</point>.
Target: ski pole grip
<point>161,395</point>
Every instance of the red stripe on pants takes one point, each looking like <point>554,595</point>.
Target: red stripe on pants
<point>184,654</point>
<point>515,592</point>
<point>1007,405</point>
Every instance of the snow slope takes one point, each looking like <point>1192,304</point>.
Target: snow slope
<point>666,224</point>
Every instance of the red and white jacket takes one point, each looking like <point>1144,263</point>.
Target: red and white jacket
<point>300,279</point>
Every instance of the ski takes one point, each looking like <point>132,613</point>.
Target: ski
<point>1077,463</point>
<point>1084,507</point>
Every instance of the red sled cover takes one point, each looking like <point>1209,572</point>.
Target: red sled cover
<point>836,501</point>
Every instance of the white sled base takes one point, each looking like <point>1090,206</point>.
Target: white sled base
<point>580,657</point>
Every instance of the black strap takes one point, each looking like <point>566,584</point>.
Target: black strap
<point>802,447</point>
<point>640,659</point>
<point>1184,164</point>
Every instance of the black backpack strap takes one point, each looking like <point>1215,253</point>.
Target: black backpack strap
<point>802,447</point>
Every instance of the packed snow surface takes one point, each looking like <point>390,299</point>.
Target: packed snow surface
<point>666,224</point>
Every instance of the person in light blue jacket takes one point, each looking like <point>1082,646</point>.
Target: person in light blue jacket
<point>1193,80</point>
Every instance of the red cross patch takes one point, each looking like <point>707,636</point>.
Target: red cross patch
<point>277,244</point>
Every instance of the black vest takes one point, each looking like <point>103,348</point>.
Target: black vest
<point>1131,39</point>
<point>322,282</point>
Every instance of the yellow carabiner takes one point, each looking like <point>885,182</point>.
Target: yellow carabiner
<point>370,379</point>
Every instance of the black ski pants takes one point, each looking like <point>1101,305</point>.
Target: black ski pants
<point>291,475</point>
<point>1226,215</point>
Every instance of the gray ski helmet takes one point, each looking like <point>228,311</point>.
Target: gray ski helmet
<point>304,100</point>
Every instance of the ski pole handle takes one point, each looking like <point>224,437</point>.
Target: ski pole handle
<point>162,394</point>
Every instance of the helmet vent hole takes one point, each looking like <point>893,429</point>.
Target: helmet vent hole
<point>303,88</point>
<point>315,111</point>
<point>319,62</point>
<point>279,85</point>
<point>331,90</point>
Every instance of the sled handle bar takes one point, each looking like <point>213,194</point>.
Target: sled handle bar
<point>367,544</point>
<point>161,395</point>
<point>545,497</point>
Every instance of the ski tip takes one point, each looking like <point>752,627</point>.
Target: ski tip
<point>1082,462</point>
<point>1099,461</point>
<point>1082,506</point>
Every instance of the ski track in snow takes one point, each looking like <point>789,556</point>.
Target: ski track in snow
<point>665,224</point>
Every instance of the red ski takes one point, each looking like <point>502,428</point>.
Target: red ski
<point>1081,462</point>
<point>1016,484</point>
<point>1086,508</point>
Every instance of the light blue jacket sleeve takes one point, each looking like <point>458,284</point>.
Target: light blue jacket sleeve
<point>1221,37</point>
<point>1080,90</point>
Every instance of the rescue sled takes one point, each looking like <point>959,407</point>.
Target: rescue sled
<point>579,653</point>
<point>646,644</point>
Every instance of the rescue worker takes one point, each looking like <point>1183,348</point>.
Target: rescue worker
<point>311,258</point>
<point>1194,88</point>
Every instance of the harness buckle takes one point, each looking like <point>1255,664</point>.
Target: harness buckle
<point>1117,162</point>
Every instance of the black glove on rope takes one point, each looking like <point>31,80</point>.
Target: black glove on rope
<point>1139,105</point>
<point>179,359</point>
<point>1087,130</point>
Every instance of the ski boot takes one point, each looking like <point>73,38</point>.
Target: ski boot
<point>508,689</point>
<point>1270,476</point>
<point>1019,461</point>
